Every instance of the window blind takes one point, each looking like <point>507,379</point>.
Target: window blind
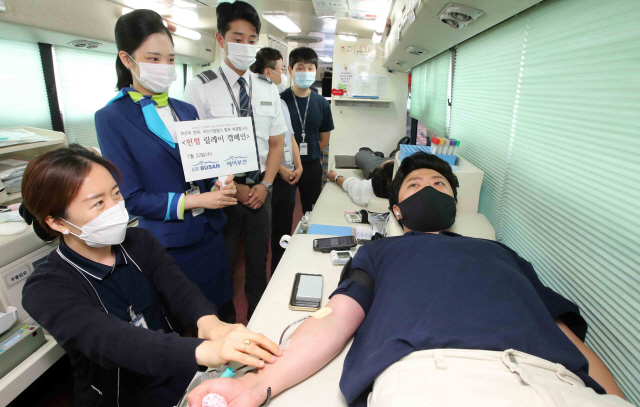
<point>416,108</point>
<point>573,208</point>
<point>484,91</point>
<point>568,165</point>
<point>429,86</point>
<point>24,99</point>
<point>86,81</point>
<point>176,90</point>
<point>280,46</point>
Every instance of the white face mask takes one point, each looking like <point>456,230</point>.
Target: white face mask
<point>282,86</point>
<point>242,56</point>
<point>156,78</point>
<point>107,229</point>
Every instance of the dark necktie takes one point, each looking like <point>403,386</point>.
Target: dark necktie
<point>244,98</point>
<point>245,112</point>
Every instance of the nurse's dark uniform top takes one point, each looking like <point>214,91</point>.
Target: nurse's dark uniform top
<point>438,291</point>
<point>87,306</point>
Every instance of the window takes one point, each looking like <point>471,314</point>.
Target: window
<point>429,86</point>
<point>176,90</point>
<point>86,82</point>
<point>547,105</point>
<point>484,93</point>
<point>24,99</point>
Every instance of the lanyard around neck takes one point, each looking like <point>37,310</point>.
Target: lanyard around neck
<point>306,110</point>
<point>233,97</point>
<point>253,123</point>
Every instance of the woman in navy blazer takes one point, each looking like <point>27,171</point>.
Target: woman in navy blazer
<point>136,131</point>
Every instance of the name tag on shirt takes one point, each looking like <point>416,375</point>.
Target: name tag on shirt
<point>137,319</point>
<point>266,103</point>
<point>287,155</point>
<point>195,191</point>
<point>304,148</point>
<point>140,321</point>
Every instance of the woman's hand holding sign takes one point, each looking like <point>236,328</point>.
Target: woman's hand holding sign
<point>217,199</point>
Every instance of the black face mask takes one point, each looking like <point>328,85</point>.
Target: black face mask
<point>428,210</point>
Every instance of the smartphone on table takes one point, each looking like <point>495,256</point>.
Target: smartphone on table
<point>306,294</point>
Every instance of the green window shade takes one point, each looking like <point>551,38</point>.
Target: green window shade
<point>86,82</point>
<point>431,81</point>
<point>176,90</point>
<point>561,155</point>
<point>24,97</point>
<point>484,92</point>
<point>573,207</point>
<point>417,91</point>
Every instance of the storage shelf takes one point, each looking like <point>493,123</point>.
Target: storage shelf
<point>11,197</point>
<point>56,138</point>
<point>338,101</point>
<point>29,370</point>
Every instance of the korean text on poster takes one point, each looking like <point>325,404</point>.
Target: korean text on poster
<point>211,148</point>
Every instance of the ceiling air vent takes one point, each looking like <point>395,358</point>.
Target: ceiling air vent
<point>458,16</point>
<point>413,50</point>
<point>84,44</point>
<point>307,39</point>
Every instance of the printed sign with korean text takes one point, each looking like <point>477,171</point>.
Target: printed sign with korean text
<point>216,147</point>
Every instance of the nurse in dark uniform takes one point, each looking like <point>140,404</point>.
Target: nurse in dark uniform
<point>110,295</point>
<point>136,131</point>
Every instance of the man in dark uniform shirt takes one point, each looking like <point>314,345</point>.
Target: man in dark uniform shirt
<point>439,320</point>
<point>311,121</point>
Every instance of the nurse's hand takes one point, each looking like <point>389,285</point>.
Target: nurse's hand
<point>233,347</point>
<point>211,328</point>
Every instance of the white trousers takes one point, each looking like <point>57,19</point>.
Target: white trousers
<point>456,377</point>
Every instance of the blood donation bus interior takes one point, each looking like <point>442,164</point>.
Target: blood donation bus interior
<point>533,104</point>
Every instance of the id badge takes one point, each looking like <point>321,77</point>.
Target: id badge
<point>303,148</point>
<point>140,321</point>
<point>137,319</point>
<point>287,155</point>
<point>195,191</point>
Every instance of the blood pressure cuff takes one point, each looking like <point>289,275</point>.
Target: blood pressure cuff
<point>356,284</point>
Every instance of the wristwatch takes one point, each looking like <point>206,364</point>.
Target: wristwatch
<point>267,185</point>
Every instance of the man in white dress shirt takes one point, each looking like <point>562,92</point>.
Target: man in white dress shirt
<point>234,91</point>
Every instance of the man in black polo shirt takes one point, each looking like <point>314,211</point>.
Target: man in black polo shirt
<point>311,121</point>
<point>439,320</point>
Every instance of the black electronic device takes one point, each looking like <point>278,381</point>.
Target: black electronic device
<point>328,244</point>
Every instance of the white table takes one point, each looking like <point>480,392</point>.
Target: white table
<point>273,315</point>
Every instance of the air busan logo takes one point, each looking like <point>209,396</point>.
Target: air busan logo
<point>205,165</point>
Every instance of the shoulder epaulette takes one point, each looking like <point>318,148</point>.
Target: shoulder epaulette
<point>264,78</point>
<point>207,76</point>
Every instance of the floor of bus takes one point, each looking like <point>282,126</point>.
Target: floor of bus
<point>55,387</point>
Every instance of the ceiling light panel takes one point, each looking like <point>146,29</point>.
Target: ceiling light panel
<point>282,22</point>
